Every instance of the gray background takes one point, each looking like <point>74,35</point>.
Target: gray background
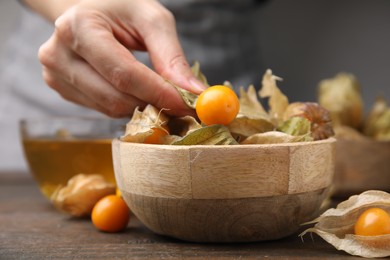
<point>9,10</point>
<point>304,41</point>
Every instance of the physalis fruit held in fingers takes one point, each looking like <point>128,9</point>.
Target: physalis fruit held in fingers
<point>217,105</point>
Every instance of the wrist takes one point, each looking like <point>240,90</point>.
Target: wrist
<point>49,9</point>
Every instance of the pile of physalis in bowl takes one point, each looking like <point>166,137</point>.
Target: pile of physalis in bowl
<point>342,97</point>
<point>225,119</point>
<point>363,137</point>
<point>243,121</point>
<point>359,225</point>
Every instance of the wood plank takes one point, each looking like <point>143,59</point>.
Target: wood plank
<point>30,228</point>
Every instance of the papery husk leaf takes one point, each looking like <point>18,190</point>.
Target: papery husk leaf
<point>341,96</point>
<point>252,117</point>
<point>349,133</point>
<point>296,126</point>
<point>383,136</point>
<point>250,105</point>
<point>81,193</point>
<point>369,247</point>
<point>170,139</point>
<point>198,73</point>
<point>377,124</point>
<point>228,84</point>
<point>321,125</point>
<point>188,97</point>
<point>272,137</point>
<point>181,126</point>
<point>245,126</point>
<point>379,107</point>
<point>336,225</point>
<point>138,137</point>
<point>278,102</point>
<point>141,124</point>
<point>209,135</point>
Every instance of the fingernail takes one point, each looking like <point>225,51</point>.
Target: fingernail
<point>196,85</point>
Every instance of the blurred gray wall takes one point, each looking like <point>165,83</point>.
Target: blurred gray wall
<point>304,41</point>
<point>9,11</point>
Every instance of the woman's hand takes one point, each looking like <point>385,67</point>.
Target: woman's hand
<point>88,58</point>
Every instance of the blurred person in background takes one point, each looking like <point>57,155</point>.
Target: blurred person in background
<point>302,41</point>
<point>93,55</point>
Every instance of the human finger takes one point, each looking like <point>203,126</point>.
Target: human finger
<point>78,82</point>
<point>116,64</point>
<point>166,53</point>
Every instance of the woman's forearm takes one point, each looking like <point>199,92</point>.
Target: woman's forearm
<point>50,9</point>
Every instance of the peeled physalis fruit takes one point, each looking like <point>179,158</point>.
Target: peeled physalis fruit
<point>217,105</point>
<point>342,98</point>
<point>81,193</point>
<point>365,214</point>
<point>110,214</point>
<point>373,222</point>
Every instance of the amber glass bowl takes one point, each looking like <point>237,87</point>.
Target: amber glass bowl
<point>57,148</point>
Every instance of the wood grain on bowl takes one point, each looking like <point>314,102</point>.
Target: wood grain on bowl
<point>227,220</point>
<point>212,172</point>
<point>238,193</point>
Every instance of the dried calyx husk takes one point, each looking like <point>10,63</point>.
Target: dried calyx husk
<point>252,125</point>
<point>81,193</point>
<point>188,97</point>
<point>143,123</point>
<point>208,135</point>
<point>318,117</point>
<point>377,123</point>
<point>252,117</point>
<point>341,96</point>
<point>277,101</point>
<point>336,225</point>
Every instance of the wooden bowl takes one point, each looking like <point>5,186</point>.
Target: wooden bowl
<point>361,165</point>
<point>239,193</point>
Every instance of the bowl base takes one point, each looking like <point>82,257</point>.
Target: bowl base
<point>226,220</point>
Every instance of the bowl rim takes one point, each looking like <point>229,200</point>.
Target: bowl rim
<point>204,172</point>
<point>224,146</point>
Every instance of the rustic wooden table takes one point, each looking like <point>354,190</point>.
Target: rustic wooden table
<point>30,228</point>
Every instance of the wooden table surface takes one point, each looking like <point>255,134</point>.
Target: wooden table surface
<point>30,228</point>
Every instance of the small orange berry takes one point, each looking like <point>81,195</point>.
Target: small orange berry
<point>373,222</point>
<point>156,136</point>
<point>217,105</point>
<point>110,214</point>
